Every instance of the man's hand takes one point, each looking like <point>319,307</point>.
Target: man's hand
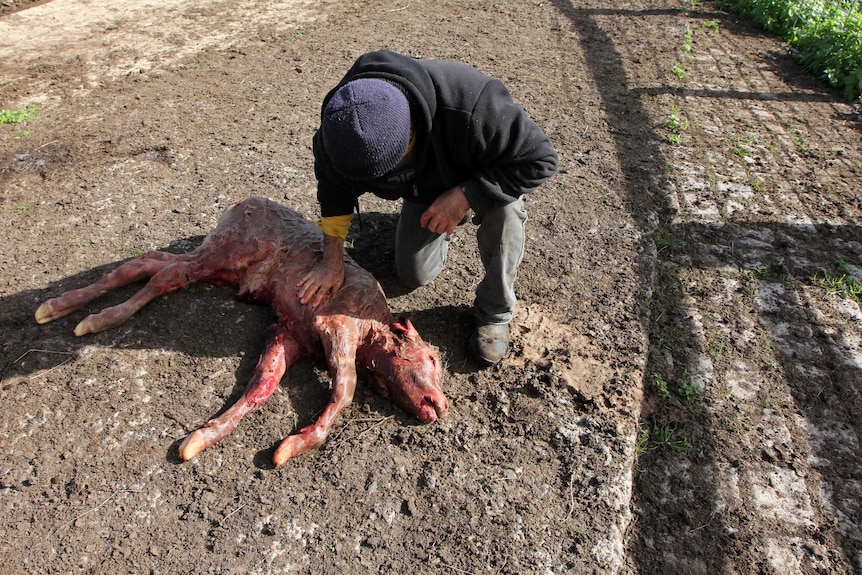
<point>326,277</point>
<point>447,211</point>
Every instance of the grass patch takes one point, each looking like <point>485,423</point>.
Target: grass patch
<point>663,436</point>
<point>22,114</point>
<point>844,284</point>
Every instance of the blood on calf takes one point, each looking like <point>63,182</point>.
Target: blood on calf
<point>262,248</point>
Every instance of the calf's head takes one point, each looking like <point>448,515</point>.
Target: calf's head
<point>407,370</point>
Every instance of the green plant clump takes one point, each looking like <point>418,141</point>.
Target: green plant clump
<point>686,45</point>
<point>844,285</point>
<point>676,124</point>
<point>826,34</point>
<point>664,436</point>
<point>660,386</point>
<point>679,71</point>
<point>22,114</point>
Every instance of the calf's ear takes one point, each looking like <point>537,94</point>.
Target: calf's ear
<point>402,325</point>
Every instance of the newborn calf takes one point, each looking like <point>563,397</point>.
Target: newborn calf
<point>262,248</point>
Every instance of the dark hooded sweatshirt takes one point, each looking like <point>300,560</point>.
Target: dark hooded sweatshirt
<point>469,132</point>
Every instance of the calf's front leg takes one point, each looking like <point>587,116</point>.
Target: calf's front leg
<point>342,366</point>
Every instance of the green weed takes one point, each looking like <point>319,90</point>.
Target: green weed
<point>801,144</point>
<point>22,114</point>
<point>676,124</point>
<point>666,240</point>
<point>669,336</point>
<point>300,35</point>
<point>768,345</point>
<point>844,284</point>
<point>759,186</point>
<point>686,45</point>
<point>773,274</point>
<point>664,436</point>
<point>660,386</point>
<point>643,444</point>
<point>709,25</point>
<point>712,176</point>
<point>740,151</point>
<point>23,208</point>
<point>759,272</point>
<point>679,71</point>
<point>715,347</point>
<point>690,392</point>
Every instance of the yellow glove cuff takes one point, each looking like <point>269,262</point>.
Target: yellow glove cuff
<point>336,225</point>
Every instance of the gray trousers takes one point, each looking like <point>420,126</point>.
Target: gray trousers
<point>420,255</point>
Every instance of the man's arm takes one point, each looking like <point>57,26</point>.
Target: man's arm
<point>327,276</point>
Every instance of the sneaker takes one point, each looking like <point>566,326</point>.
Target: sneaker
<point>490,342</point>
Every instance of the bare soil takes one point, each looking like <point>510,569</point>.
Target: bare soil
<point>683,392</point>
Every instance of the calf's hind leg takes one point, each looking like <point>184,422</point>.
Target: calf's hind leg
<point>176,273</point>
<point>139,268</point>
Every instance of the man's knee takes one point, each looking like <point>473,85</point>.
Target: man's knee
<point>412,276</point>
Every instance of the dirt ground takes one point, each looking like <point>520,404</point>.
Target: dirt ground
<point>683,392</point>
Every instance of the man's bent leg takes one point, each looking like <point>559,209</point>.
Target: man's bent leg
<point>419,254</point>
<point>501,239</point>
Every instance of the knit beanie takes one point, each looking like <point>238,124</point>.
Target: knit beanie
<point>366,128</point>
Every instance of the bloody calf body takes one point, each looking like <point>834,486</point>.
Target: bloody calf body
<point>262,249</point>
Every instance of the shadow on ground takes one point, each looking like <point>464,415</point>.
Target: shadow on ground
<point>672,535</point>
